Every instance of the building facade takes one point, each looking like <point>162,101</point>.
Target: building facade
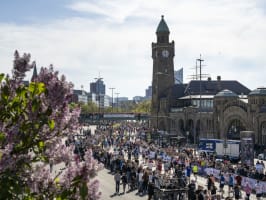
<point>202,108</point>
<point>163,53</point>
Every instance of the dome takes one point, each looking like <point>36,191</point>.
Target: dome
<point>226,93</point>
<point>258,92</point>
<point>162,27</point>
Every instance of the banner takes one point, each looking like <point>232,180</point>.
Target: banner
<point>251,181</point>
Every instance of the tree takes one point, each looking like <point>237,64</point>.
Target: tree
<point>34,120</point>
<point>143,107</point>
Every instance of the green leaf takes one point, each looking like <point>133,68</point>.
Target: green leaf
<point>2,137</point>
<point>83,191</point>
<point>51,124</point>
<point>41,145</point>
<point>2,76</point>
<point>41,88</point>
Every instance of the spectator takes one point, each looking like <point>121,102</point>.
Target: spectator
<point>117,178</point>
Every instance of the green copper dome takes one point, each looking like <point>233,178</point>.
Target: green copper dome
<point>162,27</point>
<point>226,93</point>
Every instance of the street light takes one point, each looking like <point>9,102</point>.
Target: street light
<point>117,100</point>
<point>112,97</point>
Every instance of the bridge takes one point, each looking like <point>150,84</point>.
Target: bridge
<point>96,118</point>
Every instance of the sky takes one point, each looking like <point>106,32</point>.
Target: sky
<point>111,39</point>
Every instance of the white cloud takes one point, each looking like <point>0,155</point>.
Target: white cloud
<point>116,41</point>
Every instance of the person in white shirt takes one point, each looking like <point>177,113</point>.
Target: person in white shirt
<point>258,189</point>
<point>140,175</point>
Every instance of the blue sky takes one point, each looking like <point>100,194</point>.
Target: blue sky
<point>85,38</point>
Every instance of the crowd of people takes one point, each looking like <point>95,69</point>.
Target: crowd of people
<point>166,173</point>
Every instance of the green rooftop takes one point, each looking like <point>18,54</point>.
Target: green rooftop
<point>162,27</point>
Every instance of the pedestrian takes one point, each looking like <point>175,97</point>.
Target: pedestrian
<point>221,186</point>
<point>230,184</point>
<point>238,179</point>
<point>210,184</point>
<point>258,189</point>
<point>247,190</point>
<point>237,192</point>
<point>140,181</point>
<point>195,170</point>
<point>188,173</point>
<point>192,190</point>
<point>117,178</point>
<point>124,182</point>
<point>150,190</point>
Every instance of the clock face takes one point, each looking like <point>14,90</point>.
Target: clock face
<point>165,53</point>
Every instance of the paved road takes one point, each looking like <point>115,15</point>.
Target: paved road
<point>107,187</point>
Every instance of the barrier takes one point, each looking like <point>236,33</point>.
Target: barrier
<point>251,181</point>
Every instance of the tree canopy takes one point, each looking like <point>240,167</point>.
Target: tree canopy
<point>35,119</point>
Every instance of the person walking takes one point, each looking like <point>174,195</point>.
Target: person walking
<point>124,181</point>
<point>150,190</point>
<point>195,170</point>
<point>247,190</point>
<point>188,173</point>
<point>192,190</point>
<point>258,189</point>
<point>117,178</point>
<point>221,186</point>
<point>230,184</point>
<point>237,192</point>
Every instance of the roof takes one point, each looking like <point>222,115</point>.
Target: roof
<point>178,90</point>
<point>162,27</point>
<point>258,92</point>
<point>210,87</point>
<point>80,92</point>
<point>226,93</point>
<point>197,97</point>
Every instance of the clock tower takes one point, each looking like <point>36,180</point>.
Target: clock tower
<point>163,76</point>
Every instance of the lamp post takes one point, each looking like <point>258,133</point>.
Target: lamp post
<point>117,100</point>
<point>200,61</point>
<point>112,97</point>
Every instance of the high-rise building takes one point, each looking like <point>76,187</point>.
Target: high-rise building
<point>179,76</point>
<point>97,87</point>
<point>148,92</point>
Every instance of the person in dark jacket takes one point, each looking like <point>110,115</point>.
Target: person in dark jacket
<point>192,190</point>
<point>150,190</point>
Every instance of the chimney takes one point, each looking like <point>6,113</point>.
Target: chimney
<point>219,83</point>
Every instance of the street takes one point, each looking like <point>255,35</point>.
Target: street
<point>107,187</point>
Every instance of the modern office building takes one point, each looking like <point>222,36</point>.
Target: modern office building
<point>179,76</point>
<point>97,87</point>
<point>148,92</point>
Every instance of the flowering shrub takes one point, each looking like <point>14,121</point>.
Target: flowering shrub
<point>34,120</point>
